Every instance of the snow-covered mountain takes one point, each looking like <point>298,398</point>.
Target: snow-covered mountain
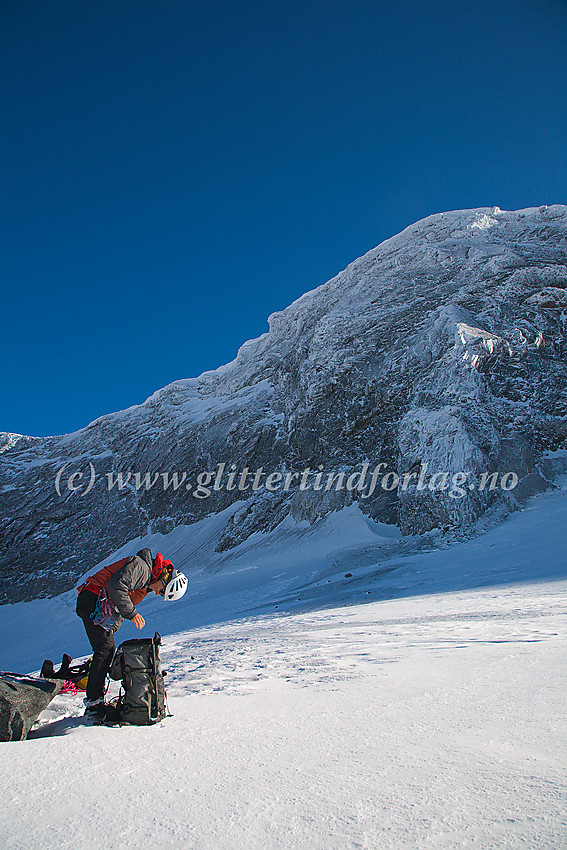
<point>441,353</point>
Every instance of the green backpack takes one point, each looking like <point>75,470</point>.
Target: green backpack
<point>142,699</point>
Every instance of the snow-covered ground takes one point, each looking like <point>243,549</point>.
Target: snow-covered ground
<point>432,717</point>
<point>434,721</point>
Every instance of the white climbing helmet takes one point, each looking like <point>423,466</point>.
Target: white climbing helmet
<point>176,586</point>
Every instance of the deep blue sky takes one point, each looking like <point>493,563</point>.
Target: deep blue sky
<point>173,171</point>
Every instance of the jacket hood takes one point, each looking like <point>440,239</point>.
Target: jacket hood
<point>162,568</point>
<point>146,555</point>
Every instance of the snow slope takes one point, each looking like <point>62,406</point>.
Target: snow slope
<point>433,721</point>
<point>301,566</point>
<point>432,717</point>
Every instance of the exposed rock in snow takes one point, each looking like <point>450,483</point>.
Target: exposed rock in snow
<point>441,349</point>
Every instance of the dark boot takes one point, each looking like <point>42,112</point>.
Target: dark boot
<point>95,709</point>
<point>63,672</point>
<point>47,671</point>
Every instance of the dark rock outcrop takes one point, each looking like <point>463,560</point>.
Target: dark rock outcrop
<point>22,699</point>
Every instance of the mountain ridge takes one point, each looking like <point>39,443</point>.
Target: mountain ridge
<point>443,345</point>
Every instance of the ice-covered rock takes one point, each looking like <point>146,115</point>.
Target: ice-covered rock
<point>442,349</point>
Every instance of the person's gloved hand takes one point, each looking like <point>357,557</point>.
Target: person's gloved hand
<point>139,621</point>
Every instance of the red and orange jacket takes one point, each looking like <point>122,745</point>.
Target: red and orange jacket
<point>126,581</point>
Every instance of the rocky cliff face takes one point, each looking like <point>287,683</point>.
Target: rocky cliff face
<point>440,355</point>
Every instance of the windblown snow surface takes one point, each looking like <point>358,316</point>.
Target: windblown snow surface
<point>433,715</point>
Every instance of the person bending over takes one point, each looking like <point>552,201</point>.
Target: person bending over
<point>109,597</point>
